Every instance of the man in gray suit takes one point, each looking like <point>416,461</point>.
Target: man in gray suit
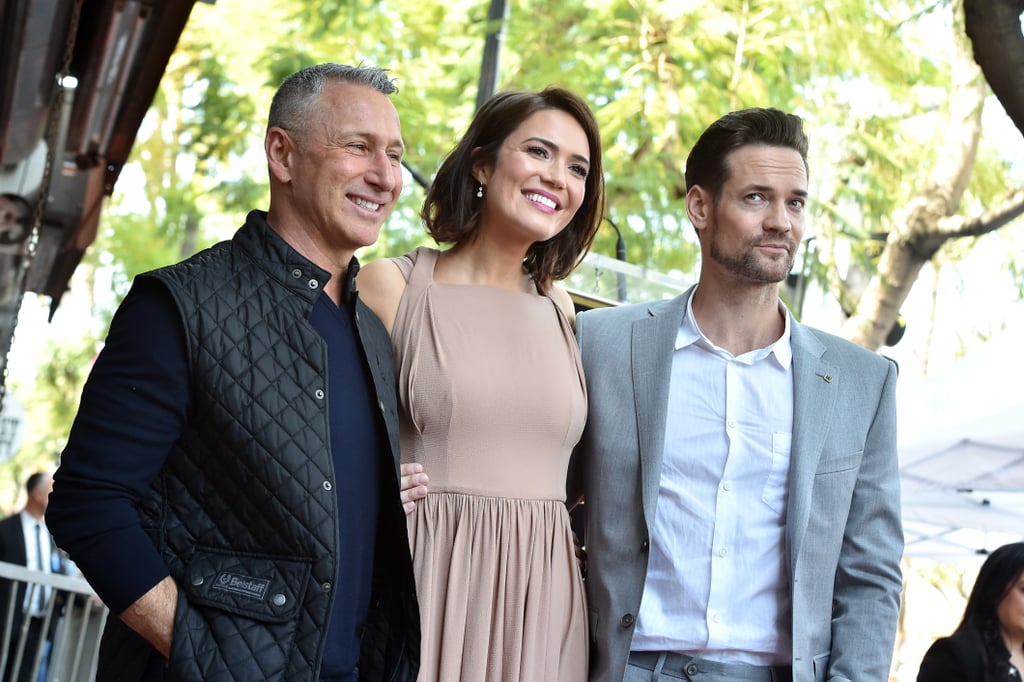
<point>739,468</point>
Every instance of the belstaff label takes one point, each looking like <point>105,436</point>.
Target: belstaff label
<point>255,588</point>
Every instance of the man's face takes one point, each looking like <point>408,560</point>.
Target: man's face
<point>13,220</point>
<point>41,493</point>
<point>346,171</point>
<point>753,230</point>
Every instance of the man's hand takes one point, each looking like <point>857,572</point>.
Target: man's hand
<point>152,615</point>
<point>581,555</point>
<point>413,486</point>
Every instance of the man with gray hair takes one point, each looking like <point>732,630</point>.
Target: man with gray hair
<point>234,459</point>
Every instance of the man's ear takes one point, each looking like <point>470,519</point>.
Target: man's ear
<point>278,146</point>
<point>698,206</point>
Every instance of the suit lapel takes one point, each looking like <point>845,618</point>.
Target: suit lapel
<point>15,540</point>
<point>652,344</point>
<point>814,392</point>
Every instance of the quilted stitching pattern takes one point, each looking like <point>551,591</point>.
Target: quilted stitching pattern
<point>251,475</point>
<point>248,491</point>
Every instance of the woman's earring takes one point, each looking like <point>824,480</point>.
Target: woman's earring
<point>480,191</point>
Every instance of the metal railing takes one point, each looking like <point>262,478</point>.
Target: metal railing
<point>70,627</point>
<point>600,281</point>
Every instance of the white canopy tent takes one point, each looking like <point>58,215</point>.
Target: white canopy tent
<point>961,445</point>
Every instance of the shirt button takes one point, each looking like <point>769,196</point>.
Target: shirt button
<point>727,486</point>
<point>731,423</point>
<point>723,552</point>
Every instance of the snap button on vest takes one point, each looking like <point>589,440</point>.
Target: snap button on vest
<point>296,273</point>
<point>313,284</point>
<point>692,669</point>
<point>279,599</point>
<point>627,620</point>
<point>197,580</point>
<point>327,486</point>
<point>319,393</point>
<point>326,587</point>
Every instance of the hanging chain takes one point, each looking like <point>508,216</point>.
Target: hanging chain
<point>52,125</point>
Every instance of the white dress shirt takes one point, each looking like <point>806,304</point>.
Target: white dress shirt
<point>34,561</point>
<point>717,582</point>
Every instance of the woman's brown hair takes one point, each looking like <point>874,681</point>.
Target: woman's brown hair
<point>451,209</point>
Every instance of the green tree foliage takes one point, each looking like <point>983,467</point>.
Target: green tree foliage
<point>873,81</point>
<point>50,404</point>
<point>868,79</point>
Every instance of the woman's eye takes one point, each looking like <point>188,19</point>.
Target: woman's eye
<point>539,152</point>
<point>579,171</point>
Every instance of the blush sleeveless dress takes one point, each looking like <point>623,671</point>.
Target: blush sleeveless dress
<point>493,400</point>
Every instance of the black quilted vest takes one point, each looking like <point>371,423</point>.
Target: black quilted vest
<point>244,511</point>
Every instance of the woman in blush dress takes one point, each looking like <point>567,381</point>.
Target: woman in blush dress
<point>491,389</point>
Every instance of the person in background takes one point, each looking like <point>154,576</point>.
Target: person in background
<point>15,214</point>
<point>234,459</point>
<point>738,468</point>
<point>25,541</point>
<point>15,228</point>
<point>988,645</point>
<point>491,392</point>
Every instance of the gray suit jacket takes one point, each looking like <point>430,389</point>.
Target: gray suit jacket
<point>843,531</point>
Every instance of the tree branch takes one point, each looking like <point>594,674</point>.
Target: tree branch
<point>955,227</point>
<point>994,28</point>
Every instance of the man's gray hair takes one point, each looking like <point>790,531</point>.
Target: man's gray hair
<point>294,100</point>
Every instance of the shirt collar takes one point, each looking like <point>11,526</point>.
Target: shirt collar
<point>782,349</point>
<point>348,288</point>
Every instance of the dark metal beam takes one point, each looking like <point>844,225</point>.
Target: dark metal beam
<point>490,67</point>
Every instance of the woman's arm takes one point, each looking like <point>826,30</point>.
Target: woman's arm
<point>381,285</point>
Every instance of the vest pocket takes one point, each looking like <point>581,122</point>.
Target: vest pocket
<point>264,588</point>
<point>237,617</point>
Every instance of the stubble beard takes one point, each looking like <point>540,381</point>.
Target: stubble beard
<point>751,265</point>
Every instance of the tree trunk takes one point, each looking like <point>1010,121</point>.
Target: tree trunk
<point>994,28</point>
<point>919,230</point>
